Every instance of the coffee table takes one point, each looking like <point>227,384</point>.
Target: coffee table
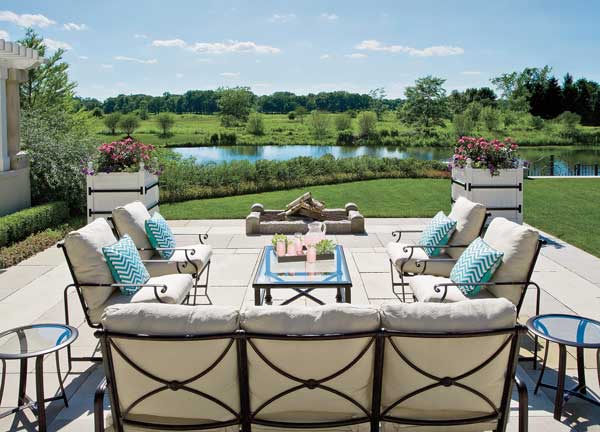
<point>567,330</point>
<point>302,277</point>
<point>35,341</point>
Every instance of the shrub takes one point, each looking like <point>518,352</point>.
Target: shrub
<point>129,123</point>
<point>367,122</point>
<point>21,224</point>
<point>394,132</point>
<point>111,121</point>
<point>228,138</point>
<point>144,113</point>
<point>97,112</point>
<point>345,138</point>
<point>319,122</point>
<point>510,118</point>
<point>490,118</point>
<point>292,115</point>
<point>463,124</point>
<point>473,111</point>
<point>166,122</point>
<point>384,133</point>
<point>569,122</point>
<point>536,122</point>
<point>343,122</point>
<point>256,124</point>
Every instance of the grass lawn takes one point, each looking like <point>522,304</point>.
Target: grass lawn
<point>566,208</point>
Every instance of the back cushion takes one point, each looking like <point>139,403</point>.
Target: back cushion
<point>175,360</point>
<point>84,248</point>
<point>469,217</point>
<point>130,219</point>
<point>518,243</point>
<point>445,357</point>
<point>317,360</point>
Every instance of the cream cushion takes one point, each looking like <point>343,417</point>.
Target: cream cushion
<point>84,249</point>
<point>310,359</point>
<point>445,356</point>
<point>178,287</point>
<point>175,360</point>
<point>201,256</point>
<point>398,256</point>
<point>519,244</point>
<point>469,217</point>
<point>130,219</point>
<point>422,288</point>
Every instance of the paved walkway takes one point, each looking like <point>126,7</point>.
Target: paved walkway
<point>31,292</point>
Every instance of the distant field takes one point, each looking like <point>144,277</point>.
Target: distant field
<point>196,129</point>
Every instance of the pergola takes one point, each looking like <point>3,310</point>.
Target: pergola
<point>15,191</point>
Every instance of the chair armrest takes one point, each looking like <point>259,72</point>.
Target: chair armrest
<point>191,251</point>
<point>201,236</point>
<point>424,262</point>
<point>444,286</point>
<point>398,233</point>
<point>99,406</point>
<point>423,246</point>
<point>163,288</point>
<point>523,404</point>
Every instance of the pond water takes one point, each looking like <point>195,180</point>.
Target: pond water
<point>565,157</point>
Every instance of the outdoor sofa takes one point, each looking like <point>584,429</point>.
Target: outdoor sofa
<point>194,259</point>
<point>409,260</point>
<point>401,367</point>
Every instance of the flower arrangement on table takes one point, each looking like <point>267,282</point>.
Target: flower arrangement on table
<point>123,156</point>
<point>480,153</point>
<point>298,247</point>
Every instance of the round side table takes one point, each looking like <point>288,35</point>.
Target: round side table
<point>34,341</point>
<point>567,330</point>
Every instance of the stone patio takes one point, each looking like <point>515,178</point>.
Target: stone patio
<point>32,293</point>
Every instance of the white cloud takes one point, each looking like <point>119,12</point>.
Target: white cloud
<point>230,74</point>
<point>136,60</point>
<point>329,17</point>
<point>282,18</point>
<point>470,72</point>
<point>73,26</point>
<point>204,60</point>
<point>106,66</point>
<point>178,75</point>
<point>3,34</point>
<point>325,56</point>
<point>231,46</point>
<point>83,57</point>
<point>356,56</point>
<point>26,20</point>
<point>433,51</point>
<point>140,36</point>
<point>54,45</point>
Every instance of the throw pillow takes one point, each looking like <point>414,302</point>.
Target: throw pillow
<point>126,265</point>
<point>438,232</point>
<point>476,264</point>
<point>160,235</point>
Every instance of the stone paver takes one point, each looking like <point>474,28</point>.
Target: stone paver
<point>32,292</point>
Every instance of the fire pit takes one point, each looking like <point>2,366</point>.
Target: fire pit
<point>299,213</point>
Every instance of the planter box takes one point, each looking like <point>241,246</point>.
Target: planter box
<point>501,194</point>
<point>105,191</point>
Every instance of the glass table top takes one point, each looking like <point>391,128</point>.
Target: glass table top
<point>34,340</point>
<point>567,329</point>
<point>333,272</point>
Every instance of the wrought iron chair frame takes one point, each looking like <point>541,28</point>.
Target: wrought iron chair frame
<point>248,417</point>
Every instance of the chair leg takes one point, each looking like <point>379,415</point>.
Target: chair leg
<point>523,405</point>
<point>99,407</point>
<point>395,284</point>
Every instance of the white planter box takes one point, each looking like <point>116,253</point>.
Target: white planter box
<point>105,191</point>
<point>501,194</point>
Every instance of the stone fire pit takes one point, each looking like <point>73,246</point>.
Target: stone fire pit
<point>338,221</point>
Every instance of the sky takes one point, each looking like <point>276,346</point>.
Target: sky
<point>306,46</point>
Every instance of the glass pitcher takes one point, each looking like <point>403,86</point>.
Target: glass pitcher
<point>316,233</point>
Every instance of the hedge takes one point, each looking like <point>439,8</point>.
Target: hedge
<point>22,224</point>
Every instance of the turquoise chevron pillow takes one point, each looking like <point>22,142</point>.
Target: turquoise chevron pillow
<point>126,264</point>
<point>476,264</point>
<point>160,235</point>
<point>438,232</point>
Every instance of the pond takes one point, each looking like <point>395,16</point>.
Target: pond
<point>565,157</point>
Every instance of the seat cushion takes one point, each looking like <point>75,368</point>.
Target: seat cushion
<point>398,256</point>
<point>178,287</point>
<point>469,217</point>
<point>130,219</point>
<point>168,319</point>
<point>84,249</point>
<point>519,245</point>
<point>157,266</point>
<point>422,288</point>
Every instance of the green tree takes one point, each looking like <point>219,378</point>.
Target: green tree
<point>490,118</point>
<point>463,124</point>
<point>234,105</point>
<point>378,102</point>
<point>47,87</point>
<point>343,122</point>
<point>111,121</point>
<point>536,122</point>
<point>473,110</point>
<point>367,124</point>
<point>426,104</point>
<point>256,124</point>
<point>129,123</point>
<point>569,93</point>
<point>319,123</point>
<point>509,118</point>
<point>300,112</point>
<point>165,122</point>
<point>97,112</point>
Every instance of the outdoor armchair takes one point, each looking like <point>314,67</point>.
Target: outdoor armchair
<point>193,260</point>
<point>407,259</point>
<point>94,283</point>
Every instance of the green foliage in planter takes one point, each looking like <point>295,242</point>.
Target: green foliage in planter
<point>21,224</point>
<point>325,247</point>
<point>278,237</point>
